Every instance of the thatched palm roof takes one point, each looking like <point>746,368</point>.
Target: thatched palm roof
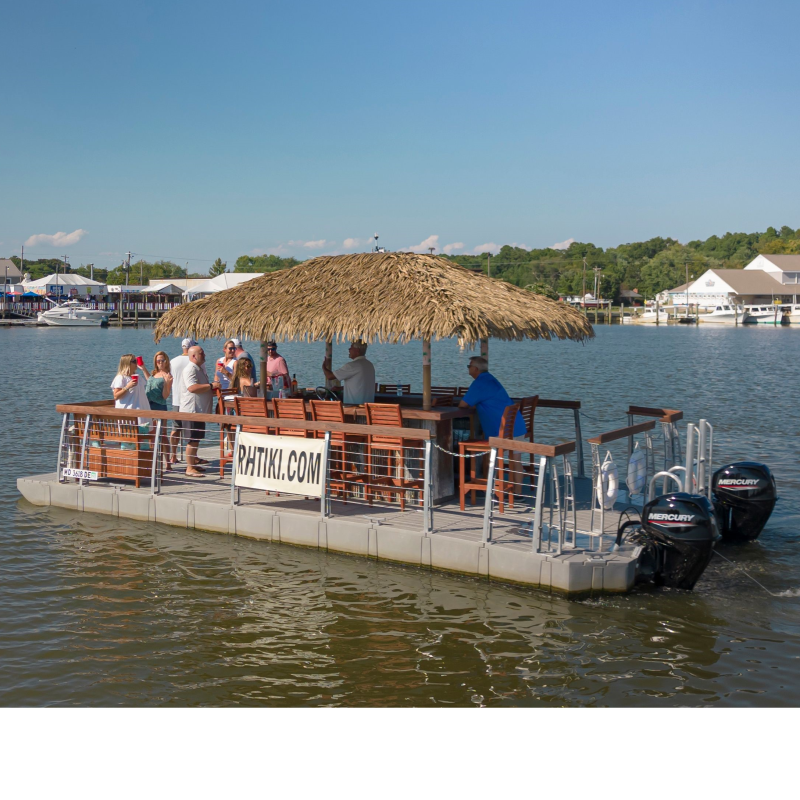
<point>388,297</point>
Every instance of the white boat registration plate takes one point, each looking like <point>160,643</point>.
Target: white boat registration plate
<point>84,474</point>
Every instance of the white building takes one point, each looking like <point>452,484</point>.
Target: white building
<point>69,285</point>
<point>225,281</point>
<point>194,288</point>
<point>784,268</point>
<point>744,287</point>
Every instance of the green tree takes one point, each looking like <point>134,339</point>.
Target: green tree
<point>263,263</point>
<point>217,268</point>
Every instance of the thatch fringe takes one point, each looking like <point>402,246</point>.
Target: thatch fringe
<point>385,297</point>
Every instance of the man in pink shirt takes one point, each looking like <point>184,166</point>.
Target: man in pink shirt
<point>276,365</point>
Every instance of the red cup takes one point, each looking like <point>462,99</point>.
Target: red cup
<point>140,361</point>
<point>134,379</point>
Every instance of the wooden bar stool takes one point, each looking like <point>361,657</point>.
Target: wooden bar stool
<point>291,408</point>
<point>475,483</point>
<point>343,473</point>
<point>389,414</point>
<point>253,407</point>
<point>224,430</point>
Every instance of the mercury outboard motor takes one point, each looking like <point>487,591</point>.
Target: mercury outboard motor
<point>677,534</point>
<point>744,495</point>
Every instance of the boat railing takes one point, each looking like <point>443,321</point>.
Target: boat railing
<point>369,469</point>
<point>668,418</point>
<point>575,407</point>
<point>530,495</point>
<point>605,475</point>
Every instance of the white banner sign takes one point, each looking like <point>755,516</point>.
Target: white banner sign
<point>279,464</point>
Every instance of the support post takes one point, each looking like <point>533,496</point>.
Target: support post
<point>579,443</point>
<point>427,506</point>
<point>263,370</point>
<point>234,490</point>
<point>485,349</point>
<point>329,359</point>
<point>689,483</point>
<point>537,515</point>
<point>426,374</point>
<point>86,425</point>
<point>154,470</point>
<point>701,457</point>
<point>487,509</point>
<point>61,447</point>
<point>323,500</point>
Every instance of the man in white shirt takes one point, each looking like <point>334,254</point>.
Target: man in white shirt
<point>358,376</point>
<point>177,366</point>
<point>197,397</point>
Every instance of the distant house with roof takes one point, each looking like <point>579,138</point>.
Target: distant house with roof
<point>742,286</point>
<point>9,272</point>
<point>784,268</point>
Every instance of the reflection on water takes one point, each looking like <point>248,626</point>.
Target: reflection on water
<point>100,611</point>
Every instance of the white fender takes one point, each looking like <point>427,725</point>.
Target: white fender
<point>608,486</point>
<point>637,471</point>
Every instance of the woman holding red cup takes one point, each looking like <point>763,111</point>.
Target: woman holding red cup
<point>129,391</point>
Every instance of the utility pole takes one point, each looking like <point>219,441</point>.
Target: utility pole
<point>583,290</point>
<point>127,268</point>
<point>489,265</point>
<point>22,263</point>
<point>91,272</point>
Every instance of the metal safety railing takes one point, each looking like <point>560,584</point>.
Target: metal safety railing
<point>606,480</point>
<point>374,468</point>
<point>526,497</point>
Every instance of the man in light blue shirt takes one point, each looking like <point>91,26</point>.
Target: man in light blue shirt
<point>490,399</point>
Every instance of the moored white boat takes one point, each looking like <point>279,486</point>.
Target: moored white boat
<point>724,315</point>
<point>764,315</point>
<point>73,314</point>
<point>651,316</point>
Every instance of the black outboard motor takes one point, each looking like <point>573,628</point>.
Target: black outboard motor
<point>677,535</point>
<point>744,496</point>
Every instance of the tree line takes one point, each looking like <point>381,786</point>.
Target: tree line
<point>651,266</point>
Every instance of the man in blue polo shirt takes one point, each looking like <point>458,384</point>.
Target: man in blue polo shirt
<point>487,395</point>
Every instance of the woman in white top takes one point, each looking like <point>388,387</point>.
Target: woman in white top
<point>225,365</point>
<point>129,391</point>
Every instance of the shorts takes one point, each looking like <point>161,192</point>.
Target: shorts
<point>196,431</point>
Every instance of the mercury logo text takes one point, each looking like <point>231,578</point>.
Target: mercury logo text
<point>671,517</point>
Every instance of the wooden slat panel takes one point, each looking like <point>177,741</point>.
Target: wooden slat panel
<point>230,419</point>
<point>621,433</point>
<point>549,450</point>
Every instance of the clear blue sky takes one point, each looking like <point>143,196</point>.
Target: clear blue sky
<point>197,130</point>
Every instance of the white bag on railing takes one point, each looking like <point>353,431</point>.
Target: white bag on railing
<point>637,471</point>
<point>608,483</point>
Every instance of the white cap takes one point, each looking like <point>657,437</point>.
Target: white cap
<point>236,342</point>
<point>188,342</point>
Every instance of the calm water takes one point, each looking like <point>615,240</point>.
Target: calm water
<point>102,611</point>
